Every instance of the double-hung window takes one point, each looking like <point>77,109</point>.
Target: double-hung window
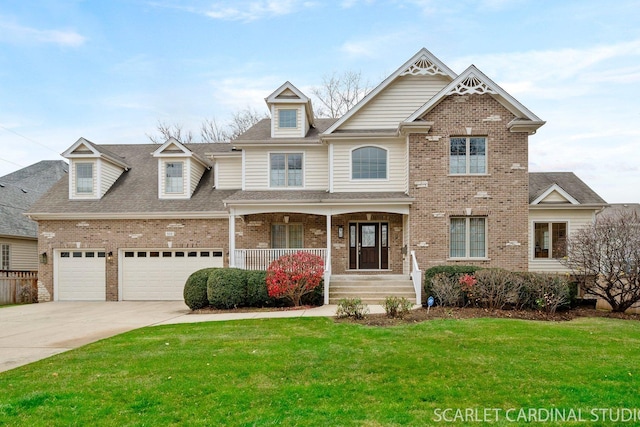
<point>288,118</point>
<point>369,163</point>
<point>550,239</point>
<point>174,178</point>
<point>468,237</point>
<point>4,257</point>
<point>468,155</point>
<point>84,178</point>
<point>285,236</point>
<point>285,170</point>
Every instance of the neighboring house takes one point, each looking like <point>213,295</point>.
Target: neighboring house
<point>18,191</point>
<point>429,168</point>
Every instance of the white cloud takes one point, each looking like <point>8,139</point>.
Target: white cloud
<point>11,32</point>
<point>248,11</point>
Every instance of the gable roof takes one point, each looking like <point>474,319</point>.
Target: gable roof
<point>20,189</point>
<point>473,81</point>
<point>287,93</point>
<point>135,192</point>
<point>541,184</point>
<point>174,148</point>
<point>422,63</point>
<point>85,148</point>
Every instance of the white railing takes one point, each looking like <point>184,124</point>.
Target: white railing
<point>259,259</point>
<point>416,277</point>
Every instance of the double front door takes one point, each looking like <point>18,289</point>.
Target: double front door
<point>369,246</point>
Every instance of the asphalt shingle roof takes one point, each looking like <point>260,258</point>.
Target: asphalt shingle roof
<point>539,182</point>
<point>261,131</point>
<point>20,190</point>
<point>136,190</point>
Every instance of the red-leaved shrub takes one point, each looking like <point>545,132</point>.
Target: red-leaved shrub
<point>292,276</point>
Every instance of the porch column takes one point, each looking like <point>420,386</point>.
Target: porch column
<point>327,265</point>
<point>232,237</point>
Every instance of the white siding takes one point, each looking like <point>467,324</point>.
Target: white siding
<point>229,173</point>
<point>396,102</point>
<point>297,132</point>
<point>396,167</point>
<point>23,253</point>
<point>72,179</point>
<point>109,173</point>
<point>315,168</point>
<point>575,219</point>
<point>554,197</point>
<point>197,170</point>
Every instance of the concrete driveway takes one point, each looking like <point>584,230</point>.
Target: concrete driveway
<point>35,331</point>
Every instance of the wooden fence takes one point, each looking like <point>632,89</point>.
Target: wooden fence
<point>18,287</point>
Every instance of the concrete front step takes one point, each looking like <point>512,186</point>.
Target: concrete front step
<point>371,289</point>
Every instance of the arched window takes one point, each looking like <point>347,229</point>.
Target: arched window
<point>369,163</point>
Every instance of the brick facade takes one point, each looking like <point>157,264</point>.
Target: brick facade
<point>112,235</point>
<point>501,195</point>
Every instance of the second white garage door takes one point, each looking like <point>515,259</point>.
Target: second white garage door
<point>160,274</point>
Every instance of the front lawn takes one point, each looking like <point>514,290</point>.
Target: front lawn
<point>314,371</point>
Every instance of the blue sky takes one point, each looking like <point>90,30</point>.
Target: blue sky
<point>110,70</point>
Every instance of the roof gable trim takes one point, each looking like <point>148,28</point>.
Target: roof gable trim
<point>555,188</point>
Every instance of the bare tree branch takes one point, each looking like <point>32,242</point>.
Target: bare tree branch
<point>339,93</point>
<point>167,131</point>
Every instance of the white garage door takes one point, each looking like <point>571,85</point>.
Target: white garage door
<point>80,275</point>
<point>160,274</point>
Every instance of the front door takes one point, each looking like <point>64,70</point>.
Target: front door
<point>368,244</point>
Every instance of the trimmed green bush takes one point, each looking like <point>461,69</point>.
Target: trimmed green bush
<point>195,289</point>
<point>257,295</point>
<point>227,288</point>
<point>453,271</point>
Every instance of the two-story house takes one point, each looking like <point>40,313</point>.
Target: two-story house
<point>430,168</point>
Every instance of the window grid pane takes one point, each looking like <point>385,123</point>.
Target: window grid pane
<point>467,155</point>
<point>559,239</point>
<point>458,236</point>
<point>477,155</point>
<point>173,178</point>
<point>84,178</point>
<point>294,170</point>
<point>477,238</point>
<point>369,163</point>
<point>278,172</point>
<point>278,236</point>
<point>295,236</point>
<point>4,257</point>
<point>458,156</point>
<point>287,119</point>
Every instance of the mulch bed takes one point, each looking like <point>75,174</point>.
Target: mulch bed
<point>422,314</point>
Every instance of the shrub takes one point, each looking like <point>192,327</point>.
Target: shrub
<point>257,295</point>
<point>453,271</point>
<point>446,290</point>
<point>316,297</point>
<point>227,288</point>
<point>396,307</point>
<point>496,287</point>
<point>195,289</point>
<point>292,276</point>
<point>352,307</point>
<point>554,293</point>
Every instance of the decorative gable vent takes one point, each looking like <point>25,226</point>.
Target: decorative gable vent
<point>470,86</point>
<point>423,67</point>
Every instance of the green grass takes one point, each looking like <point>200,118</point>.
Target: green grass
<point>316,372</point>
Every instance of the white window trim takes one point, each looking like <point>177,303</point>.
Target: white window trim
<point>532,250</point>
<point>468,157</point>
<point>467,239</point>
<point>186,178</point>
<point>286,186</point>
<point>297,121</point>
<point>355,180</point>
<point>73,185</point>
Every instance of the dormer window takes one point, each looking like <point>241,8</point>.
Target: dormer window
<point>287,118</point>
<point>84,178</point>
<point>174,178</point>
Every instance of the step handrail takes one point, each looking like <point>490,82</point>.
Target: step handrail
<point>416,277</point>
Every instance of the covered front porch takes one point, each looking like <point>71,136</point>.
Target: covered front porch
<point>353,235</point>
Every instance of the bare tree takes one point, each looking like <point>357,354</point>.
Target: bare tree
<point>606,256</point>
<point>167,131</point>
<point>339,93</point>
<point>210,131</point>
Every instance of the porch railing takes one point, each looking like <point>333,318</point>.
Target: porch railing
<point>18,286</point>
<point>416,277</point>
<point>259,259</point>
